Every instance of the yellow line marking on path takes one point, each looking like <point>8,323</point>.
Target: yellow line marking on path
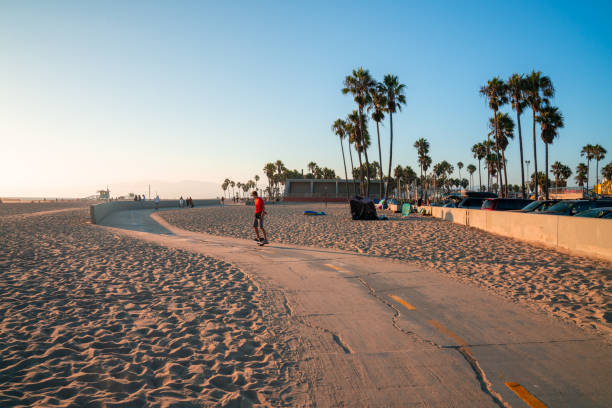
<point>335,267</point>
<point>402,302</point>
<point>525,395</point>
<point>460,342</point>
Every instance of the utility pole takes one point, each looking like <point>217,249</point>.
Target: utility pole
<point>149,191</point>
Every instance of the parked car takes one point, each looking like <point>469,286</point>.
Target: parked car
<point>473,203</point>
<point>480,194</point>
<point>573,207</point>
<point>504,204</point>
<point>604,212</point>
<point>538,206</point>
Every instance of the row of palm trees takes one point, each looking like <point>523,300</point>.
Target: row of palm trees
<point>376,99</point>
<point>591,152</point>
<point>532,91</point>
<point>244,187</point>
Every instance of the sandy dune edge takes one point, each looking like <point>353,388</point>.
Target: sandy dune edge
<point>570,287</point>
<point>92,318</point>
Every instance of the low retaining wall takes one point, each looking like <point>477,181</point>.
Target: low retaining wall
<point>315,199</point>
<point>99,211</point>
<point>577,235</point>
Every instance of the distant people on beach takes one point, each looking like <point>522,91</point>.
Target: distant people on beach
<point>156,202</point>
<point>181,203</point>
<point>222,201</point>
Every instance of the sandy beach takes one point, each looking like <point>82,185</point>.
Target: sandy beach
<point>7,209</point>
<point>93,318</point>
<point>569,287</point>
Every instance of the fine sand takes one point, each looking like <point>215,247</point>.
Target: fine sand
<point>92,318</point>
<point>570,287</point>
<point>7,209</point>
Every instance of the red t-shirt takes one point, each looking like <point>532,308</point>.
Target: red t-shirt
<point>259,205</point>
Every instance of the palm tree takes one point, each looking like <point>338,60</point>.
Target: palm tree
<point>490,163</point>
<point>516,94</point>
<point>409,176</point>
<point>480,152</point>
<point>422,146</point>
<point>459,166</point>
<point>426,163</point>
<point>557,170</point>
<point>566,172</point>
<point>256,180</point>
<point>377,106</point>
<point>472,169</point>
<point>339,128</point>
<point>356,139</point>
<point>269,170</point>
<point>360,84</point>
<point>505,131</point>
<point>588,151</point>
<point>395,98</point>
<point>495,92</point>
<point>538,90</point>
<point>348,127</point>
<point>239,186</point>
<point>606,171</point>
<point>312,167</point>
<point>599,153</point>
<point>224,187</point>
<point>582,172</point>
<point>233,184</point>
<point>551,120</point>
<point>398,173</point>
<point>490,166</point>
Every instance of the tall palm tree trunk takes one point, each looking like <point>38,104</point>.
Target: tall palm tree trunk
<point>352,167</point>
<point>596,172</point>
<point>380,171</point>
<point>345,173</point>
<point>505,174</point>
<point>488,164</point>
<point>588,171</point>
<point>422,183</point>
<point>518,120</point>
<point>535,153</point>
<point>365,151</point>
<point>390,154</point>
<point>546,174</point>
<point>360,172</point>
<point>500,180</point>
<point>479,177</point>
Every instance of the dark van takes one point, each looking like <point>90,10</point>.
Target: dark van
<point>504,204</point>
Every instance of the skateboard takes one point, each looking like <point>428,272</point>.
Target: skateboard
<point>259,242</point>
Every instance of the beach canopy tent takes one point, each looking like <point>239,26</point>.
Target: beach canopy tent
<point>363,208</point>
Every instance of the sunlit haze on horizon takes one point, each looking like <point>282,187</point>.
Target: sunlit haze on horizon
<point>127,94</point>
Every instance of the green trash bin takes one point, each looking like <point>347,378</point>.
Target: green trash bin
<point>405,210</point>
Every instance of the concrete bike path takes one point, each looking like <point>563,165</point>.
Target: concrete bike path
<point>376,332</point>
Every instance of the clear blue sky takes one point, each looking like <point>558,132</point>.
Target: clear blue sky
<point>113,91</point>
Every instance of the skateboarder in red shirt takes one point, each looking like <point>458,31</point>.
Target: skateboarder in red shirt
<point>259,218</point>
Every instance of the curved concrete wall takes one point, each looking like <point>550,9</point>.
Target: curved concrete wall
<point>99,211</point>
<point>577,235</point>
